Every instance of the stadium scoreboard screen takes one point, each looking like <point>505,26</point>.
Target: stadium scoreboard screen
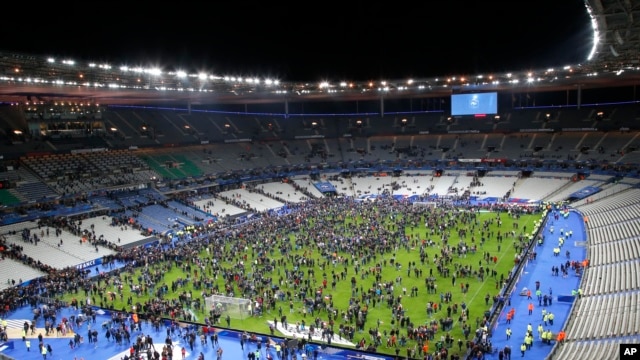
<point>474,104</point>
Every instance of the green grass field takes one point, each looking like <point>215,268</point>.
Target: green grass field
<point>373,223</point>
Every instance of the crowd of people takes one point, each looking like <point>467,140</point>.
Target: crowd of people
<point>273,260</point>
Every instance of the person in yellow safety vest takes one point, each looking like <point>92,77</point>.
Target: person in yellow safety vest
<point>551,317</point>
<point>529,329</point>
<point>545,319</point>
<point>528,341</point>
<point>540,331</point>
<point>508,333</point>
<point>523,348</point>
<point>44,352</point>
<point>579,293</point>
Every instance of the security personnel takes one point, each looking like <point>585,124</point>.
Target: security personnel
<point>540,331</point>
<point>523,348</point>
<point>508,333</point>
<point>561,336</point>
<point>278,349</point>
<point>528,340</point>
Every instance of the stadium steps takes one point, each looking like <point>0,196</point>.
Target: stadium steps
<point>558,190</point>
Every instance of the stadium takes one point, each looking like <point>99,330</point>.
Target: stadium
<point>128,164</point>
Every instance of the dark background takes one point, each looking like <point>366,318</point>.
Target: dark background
<point>307,41</point>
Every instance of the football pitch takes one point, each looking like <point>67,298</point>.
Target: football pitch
<point>372,270</point>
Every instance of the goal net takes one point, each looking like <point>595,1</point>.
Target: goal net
<point>424,204</point>
<point>220,306</point>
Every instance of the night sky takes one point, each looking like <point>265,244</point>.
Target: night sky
<point>310,41</point>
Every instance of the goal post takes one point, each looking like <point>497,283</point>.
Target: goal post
<point>425,204</point>
<point>222,306</point>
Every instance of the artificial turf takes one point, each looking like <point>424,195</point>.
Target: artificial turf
<point>377,265</point>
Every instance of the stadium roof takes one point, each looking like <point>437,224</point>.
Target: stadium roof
<point>614,62</point>
<point>618,24</point>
